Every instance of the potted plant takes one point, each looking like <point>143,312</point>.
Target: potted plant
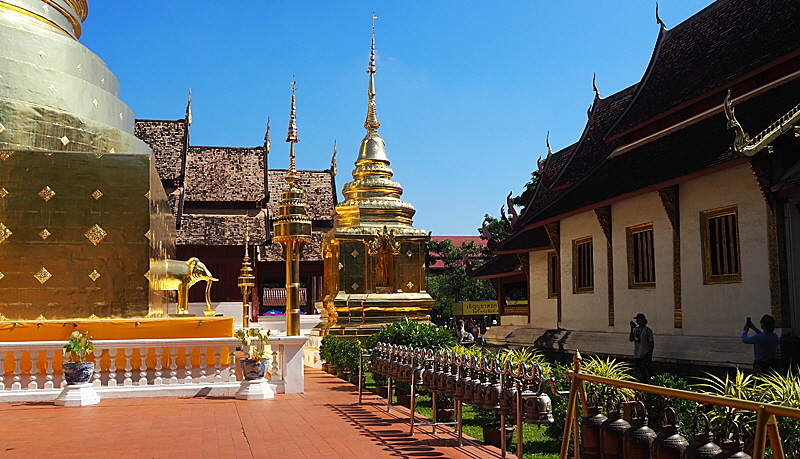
<point>327,351</point>
<point>77,370</point>
<point>491,427</point>
<point>254,362</point>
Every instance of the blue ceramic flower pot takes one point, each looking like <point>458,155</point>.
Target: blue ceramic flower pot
<point>252,370</point>
<point>78,372</point>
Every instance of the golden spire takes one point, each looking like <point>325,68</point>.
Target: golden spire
<point>372,147</point>
<point>291,137</point>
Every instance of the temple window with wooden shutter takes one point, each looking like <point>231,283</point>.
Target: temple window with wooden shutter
<point>721,256</point>
<point>641,257</point>
<point>553,275</point>
<point>583,265</point>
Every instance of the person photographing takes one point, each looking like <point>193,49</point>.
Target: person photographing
<point>642,338</point>
<point>765,343</point>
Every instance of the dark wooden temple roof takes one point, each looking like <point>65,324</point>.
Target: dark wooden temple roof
<point>216,229</point>
<point>697,147</point>
<point>167,139</point>
<point>521,241</point>
<point>231,174</point>
<point>318,185</point>
<point>708,52</point>
<point>499,266</point>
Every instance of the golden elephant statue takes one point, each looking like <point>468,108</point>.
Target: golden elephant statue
<point>181,275</point>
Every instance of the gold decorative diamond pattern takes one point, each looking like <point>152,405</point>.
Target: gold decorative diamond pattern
<point>99,155</point>
<point>112,151</point>
<point>148,234</point>
<point>95,234</point>
<point>4,155</point>
<point>42,54</point>
<point>94,275</point>
<point>147,275</point>
<point>97,194</point>
<point>147,195</point>
<point>2,276</point>
<point>5,233</point>
<point>354,253</point>
<point>41,317</point>
<point>47,193</point>
<point>52,88</point>
<point>354,286</point>
<point>410,285</point>
<point>3,193</point>
<point>48,153</point>
<point>409,254</point>
<point>341,266</point>
<point>2,128</point>
<point>43,275</point>
<point>64,140</point>
<point>44,234</point>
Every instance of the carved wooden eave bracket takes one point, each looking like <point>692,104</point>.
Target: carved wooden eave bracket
<point>748,147</point>
<point>554,234</point>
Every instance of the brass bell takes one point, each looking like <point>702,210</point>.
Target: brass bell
<point>637,442</point>
<point>538,409</point>
<point>471,389</point>
<point>480,393</point>
<point>461,386</point>
<point>612,430</point>
<point>508,401</point>
<point>702,446</point>
<point>669,444</point>
<point>427,377</point>
<point>491,398</point>
<point>732,447</point>
<point>590,427</point>
<point>450,385</point>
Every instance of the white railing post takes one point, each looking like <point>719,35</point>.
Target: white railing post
<point>203,350</point>
<point>17,370</point>
<point>2,370</point>
<point>159,367</point>
<point>33,382</point>
<point>97,382</point>
<point>143,366</point>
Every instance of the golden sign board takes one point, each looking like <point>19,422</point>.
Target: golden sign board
<point>481,308</point>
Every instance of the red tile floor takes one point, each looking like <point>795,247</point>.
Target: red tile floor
<point>324,422</point>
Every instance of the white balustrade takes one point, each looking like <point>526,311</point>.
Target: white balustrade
<point>151,368</point>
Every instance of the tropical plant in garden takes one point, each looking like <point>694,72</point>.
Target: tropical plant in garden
<point>327,348</point>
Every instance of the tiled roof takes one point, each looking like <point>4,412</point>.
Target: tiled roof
<point>317,184</point>
<point>501,264</point>
<point>699,146</point>
<point>724,41</point>
<point>167,139</point>
<point>530,239</point>
<point>205,229</point>
<point>231,174</point>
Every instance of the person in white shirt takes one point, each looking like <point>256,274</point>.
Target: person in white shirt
<point>642,337</point>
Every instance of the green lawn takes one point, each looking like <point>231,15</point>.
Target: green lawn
<point>536,445</point>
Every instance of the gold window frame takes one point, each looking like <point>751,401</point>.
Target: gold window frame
<point>576,268</point>
<point>648,253</point>
<point>708,276</point>
<point>553,275</point>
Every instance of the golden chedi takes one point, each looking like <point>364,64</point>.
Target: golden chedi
<point>82,212</point>
<point>374,257</point>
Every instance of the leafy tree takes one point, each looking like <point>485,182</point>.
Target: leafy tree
<point>454,284</point>
<point>523,199</point>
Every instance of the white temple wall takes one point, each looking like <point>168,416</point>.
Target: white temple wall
<point>543,310</point>
<point>656,303</point>
<point>721,309</point>
<point>584,311</point>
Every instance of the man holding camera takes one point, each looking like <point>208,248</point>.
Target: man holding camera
<point>642,337</point>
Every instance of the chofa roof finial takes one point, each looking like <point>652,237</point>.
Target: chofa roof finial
<point>594,86</point>
<point>658,19</point>
<point>291,137</point>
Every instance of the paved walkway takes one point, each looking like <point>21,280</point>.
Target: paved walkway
<point>325,422</point>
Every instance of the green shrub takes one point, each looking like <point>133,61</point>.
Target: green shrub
<point>412,333</point>
<point>327,348</point>
<point>656,404</point>
<point>349,352</point>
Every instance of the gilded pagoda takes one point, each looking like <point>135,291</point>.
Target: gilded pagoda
<point>374,257</point>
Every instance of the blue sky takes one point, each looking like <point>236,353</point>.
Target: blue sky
<point>466,90</point>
